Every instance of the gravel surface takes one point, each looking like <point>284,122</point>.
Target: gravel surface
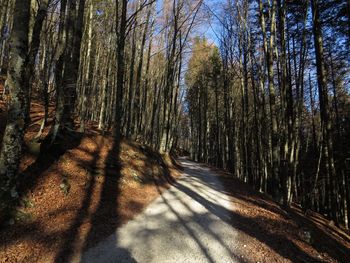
<point>187,223</point>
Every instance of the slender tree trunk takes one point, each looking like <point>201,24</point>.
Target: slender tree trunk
<point>324,108</point>
<point>86,78</point>
<point>121,35</point>
<point>34,48</point>
<point>269,54</point>
<point>69,63</point>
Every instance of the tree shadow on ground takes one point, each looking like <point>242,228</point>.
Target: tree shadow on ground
<point>71,234</point>
<point>106,219</point>
<point>109,249</point>
<point>46,158</point>
<point>27,180</point>
<point>242,191</point>
<point>106,210</point>
<point>256,227</point>
<point>187,223</point>
<point>70,239</point>
<point>98,205</point>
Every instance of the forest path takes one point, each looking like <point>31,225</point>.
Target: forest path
<point>190,222</point>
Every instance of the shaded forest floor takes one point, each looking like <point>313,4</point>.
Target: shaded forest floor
<point>78,193</point>
<point>272,234</point>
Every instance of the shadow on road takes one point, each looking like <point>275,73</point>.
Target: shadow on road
<point>256,227</point>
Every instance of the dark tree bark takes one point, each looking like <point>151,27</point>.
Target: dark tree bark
<point>34,48</point>
<point>121,34</point>
<point>12,142</point>
<point>324,109</point>
<point>66,87</point>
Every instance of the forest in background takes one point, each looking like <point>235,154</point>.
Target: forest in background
<point>270,102</point>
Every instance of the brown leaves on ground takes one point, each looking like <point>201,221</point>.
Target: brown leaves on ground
<point>272,234</point>
<point>99,199</point>
<point>78,192</point>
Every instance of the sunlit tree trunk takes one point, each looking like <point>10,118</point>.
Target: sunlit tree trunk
<point>269,47</point>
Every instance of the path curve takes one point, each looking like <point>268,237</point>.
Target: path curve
<point>188,223</point>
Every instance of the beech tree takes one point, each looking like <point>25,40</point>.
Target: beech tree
<point>127,83</point>
<point>12,140</point>
<point>266,100</point>
<point>278,115</point>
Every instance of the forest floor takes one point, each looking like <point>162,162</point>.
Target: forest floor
<point>77,195</point>
<point>190,222</point>
<point>207,216</point>
<point>273,234</point>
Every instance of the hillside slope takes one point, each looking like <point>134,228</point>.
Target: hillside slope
<point>77,196</point>
<point>273,234</point>
<point>78,192</point>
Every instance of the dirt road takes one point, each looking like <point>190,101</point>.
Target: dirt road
<point>187,223</point>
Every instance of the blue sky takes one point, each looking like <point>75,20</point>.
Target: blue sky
<point>210,28</point>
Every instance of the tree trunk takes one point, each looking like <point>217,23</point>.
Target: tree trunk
<point>120,70</point>
<point>34,48</point>
<point>324,109</point>
<point>269,51</point>
<point>12,142</point>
